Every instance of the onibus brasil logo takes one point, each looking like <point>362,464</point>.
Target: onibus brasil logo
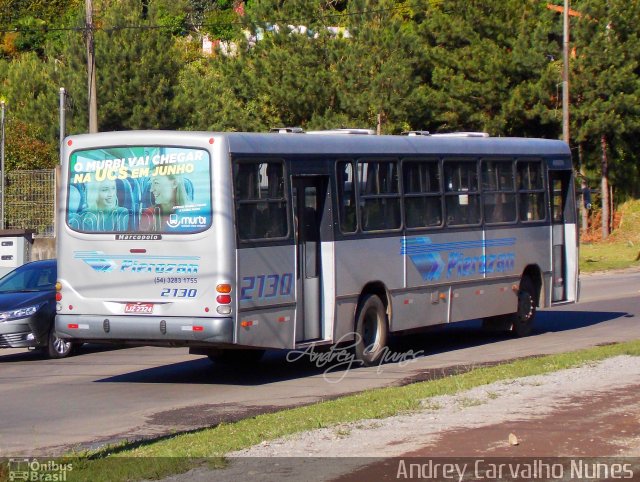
<point>36,470</point>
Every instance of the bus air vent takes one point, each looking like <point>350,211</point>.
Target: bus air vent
<point>361,132</point>
<point>461,134</point>
<point>415,133</point>
<point>287,130</point>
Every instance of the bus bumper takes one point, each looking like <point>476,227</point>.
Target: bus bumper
<point>170,331</point>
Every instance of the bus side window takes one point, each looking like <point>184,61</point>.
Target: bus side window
<point>462,201</point>
<point>422,204</point>
<point>261,207</point>
<point>530,183</point>
<point>379,195</point>
<point>498,191</point>
<point>346,197</point>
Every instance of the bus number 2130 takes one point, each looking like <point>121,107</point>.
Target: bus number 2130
<point>266,286</point>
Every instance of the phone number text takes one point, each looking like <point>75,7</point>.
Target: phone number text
<point>175,280</point>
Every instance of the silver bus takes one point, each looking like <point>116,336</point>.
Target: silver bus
<point>233,243</point>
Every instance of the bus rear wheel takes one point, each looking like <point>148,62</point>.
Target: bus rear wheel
<point>522,320</point>
<point>371,330</point>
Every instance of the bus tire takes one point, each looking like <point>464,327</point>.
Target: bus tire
<point>371,330</point>
<point>522,320</point>
<point>238,357</point>
<point>58,347</point>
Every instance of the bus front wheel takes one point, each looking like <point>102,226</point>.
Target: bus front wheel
<point>371,330</point>
<point>522,321</point>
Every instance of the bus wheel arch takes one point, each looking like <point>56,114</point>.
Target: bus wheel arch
<point>371,324</point>
<point>534,274</point>
<point>528,299</point>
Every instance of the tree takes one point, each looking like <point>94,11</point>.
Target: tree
<point>137,69</point>
<point>606,87</point>
<point>24,150</point>
<point>31,97</point>
<point>310,64</point>
<point>375,66</point>
<point>135,63</point>
<point>490,66</point>
<point>36,24</point>
<point>277,76</point>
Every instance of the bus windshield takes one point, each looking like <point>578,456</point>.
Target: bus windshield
<point>165,190</point>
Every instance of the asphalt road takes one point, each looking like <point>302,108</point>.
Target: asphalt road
<point>107,395</point>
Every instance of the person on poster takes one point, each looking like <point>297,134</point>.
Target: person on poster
<point>102,212</point>
<point>168,192</point>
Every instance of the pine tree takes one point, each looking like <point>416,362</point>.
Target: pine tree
<point>606,87</point>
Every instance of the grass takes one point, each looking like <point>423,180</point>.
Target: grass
<point>621,250</point>
<point>179,453</point>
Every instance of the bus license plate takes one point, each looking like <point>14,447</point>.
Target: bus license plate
<point>138,308</point>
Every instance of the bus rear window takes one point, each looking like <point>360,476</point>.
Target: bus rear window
<point>139,189</point>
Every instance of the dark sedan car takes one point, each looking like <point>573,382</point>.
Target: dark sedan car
<point>28,309</point>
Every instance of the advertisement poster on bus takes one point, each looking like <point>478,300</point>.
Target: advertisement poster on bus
<point>150,189</point>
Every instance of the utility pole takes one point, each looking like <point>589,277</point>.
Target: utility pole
<point>565,73</point>
<point>62,113</point>
<point>2,161</point>
<point>63,116</point>
<point>91,69</point>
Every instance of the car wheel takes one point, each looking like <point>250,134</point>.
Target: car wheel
<point>58,347</point>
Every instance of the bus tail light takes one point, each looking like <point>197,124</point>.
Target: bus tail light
<point>58,290</point>
<point>223,299</point>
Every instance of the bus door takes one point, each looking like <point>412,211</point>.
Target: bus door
<point>309,194</point>
<point>561,214</point>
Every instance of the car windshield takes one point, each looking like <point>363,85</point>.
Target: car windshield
<point>29,278</point>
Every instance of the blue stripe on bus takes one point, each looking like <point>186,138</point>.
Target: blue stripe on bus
<point>424,245</point>
<point>94,254</point>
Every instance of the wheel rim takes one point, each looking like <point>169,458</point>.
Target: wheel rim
<point>61,346</point>
<point>370,331</point>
